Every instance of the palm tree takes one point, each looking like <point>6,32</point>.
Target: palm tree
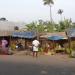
<point>49,2</point>
<point>60,11</point>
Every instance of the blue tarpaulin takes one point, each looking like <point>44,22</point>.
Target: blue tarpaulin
<point>27,34</point>
<point>55,37</point>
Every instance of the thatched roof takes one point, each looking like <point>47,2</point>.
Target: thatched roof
<point>53,34</point>
<point>5,33</point>
<point>7,27</point>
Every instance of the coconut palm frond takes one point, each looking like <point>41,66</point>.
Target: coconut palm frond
<point>48,2</point>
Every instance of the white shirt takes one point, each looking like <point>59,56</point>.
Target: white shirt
<point>35,45</point>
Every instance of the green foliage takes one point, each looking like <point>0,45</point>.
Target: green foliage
<point>60,11</point>
<point>73,25</point>
<point>49,27</point>
<point>13,46</point>
<point>68,50</point>
<point>57,27</point>
<point>41,27</point>
<point>31,26</point>
<point>64,25</point>
<point>61,26</point>
<point>46,26</point>
<point>73,45</point>
<point>41,49</point>
<point>67,23</point>
<point>48,2</point>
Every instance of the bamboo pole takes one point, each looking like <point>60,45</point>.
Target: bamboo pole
<point>69,41</point>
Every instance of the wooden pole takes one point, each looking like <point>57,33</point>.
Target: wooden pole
<point>69,41</point>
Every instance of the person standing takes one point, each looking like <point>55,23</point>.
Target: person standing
<point>4,46</point>
<point>35,44</point>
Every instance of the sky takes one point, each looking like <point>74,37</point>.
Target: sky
<point>33,10</point>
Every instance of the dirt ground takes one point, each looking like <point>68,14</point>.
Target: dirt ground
<point>43,65</point>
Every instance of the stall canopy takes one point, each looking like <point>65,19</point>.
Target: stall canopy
<point>71,32</point>
<point>55,37</point>
<point>46,35</point>
<point>27,34</point>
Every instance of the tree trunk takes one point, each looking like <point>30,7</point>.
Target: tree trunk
<point>50,14</point>
<point>60,17</point>
<point>69,39</point>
